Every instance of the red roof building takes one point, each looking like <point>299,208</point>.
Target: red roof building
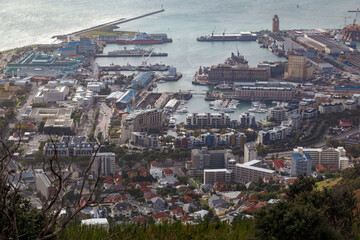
<point>279,164</point>
<point>345,122</point>
<point>188,199</point>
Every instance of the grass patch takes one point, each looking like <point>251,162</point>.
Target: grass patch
<point>328,183</point>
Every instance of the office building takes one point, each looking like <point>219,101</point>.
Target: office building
<point>300,164</point>
<point>275,24</point>
<point>250,152</point>
<point>104,164</point>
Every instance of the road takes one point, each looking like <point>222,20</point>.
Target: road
<point>105,113</point>
<point>21,110</point>
<point>320,144</point>
<point>339,136</point>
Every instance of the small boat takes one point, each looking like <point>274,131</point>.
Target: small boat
<point>172,120</point>
<point>228,110</point>
<point>183,110</point>
<point>257,110</point>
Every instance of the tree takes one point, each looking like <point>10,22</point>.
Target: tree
<point>308,214</point>
<point>332,143</point>
<point>262,151</point>
<point>18,219</point>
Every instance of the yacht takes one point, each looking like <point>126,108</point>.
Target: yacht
<point>257,110</point>
<point>172,120</point>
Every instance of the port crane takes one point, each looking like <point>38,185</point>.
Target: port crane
<point>212,33</point>
<point>224,32</point>
<point>345,18</point>
<point>357,13</point>
<point>145,60</point>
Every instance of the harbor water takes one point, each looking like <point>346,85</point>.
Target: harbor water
<point>27,22</point>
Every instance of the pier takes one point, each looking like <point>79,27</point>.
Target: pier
<point>108,24</point>
<point>132,55</point>
<point>144,68</point>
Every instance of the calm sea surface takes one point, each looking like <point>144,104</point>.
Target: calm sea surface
<point>24,22</point>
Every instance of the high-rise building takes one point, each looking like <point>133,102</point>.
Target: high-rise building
<point>276,24</point>
<point>298,68</point>
<point>300,164</point>
<point>105,161</point>
<point>250,152</point>
<point>141,121</point>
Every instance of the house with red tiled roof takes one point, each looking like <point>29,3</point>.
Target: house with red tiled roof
<point>168,173</point>
<point>151,195</point>
<point>188,199</point>
<point>253,198</point>
<point>160,216</point>
<point>279,164</point>
<point>326,168</point>
<point>178,212</point>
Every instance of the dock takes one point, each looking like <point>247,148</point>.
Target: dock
<point>132,55</point>
<point>116,22</point>
<point>141,68</point>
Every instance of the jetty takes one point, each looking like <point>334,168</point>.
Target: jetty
<point>132,55</point>
<point>108,24</point>
<point>155,67</point>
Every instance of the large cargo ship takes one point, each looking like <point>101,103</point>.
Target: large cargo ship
<point>242,36</point>
<point>144,38</point>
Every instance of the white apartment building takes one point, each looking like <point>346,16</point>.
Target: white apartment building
<point>96,86</point>
<point>104,164</point>
<point>43,184</point>
<point>50,94</point>
<point>249,171</point>
<point>217,175</point>
<point>208,120</point>
<point>326,156</point>
<point>250,152</point>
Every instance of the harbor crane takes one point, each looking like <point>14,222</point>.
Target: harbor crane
<point>224,32</point>
<point>145,60</point>
<point>357,13</point>
<point>212,33</point>
<point>345,18</point>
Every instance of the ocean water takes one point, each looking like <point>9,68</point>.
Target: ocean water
<point>24,22</point>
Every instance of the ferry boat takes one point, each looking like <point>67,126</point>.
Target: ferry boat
<point>143,38</point>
